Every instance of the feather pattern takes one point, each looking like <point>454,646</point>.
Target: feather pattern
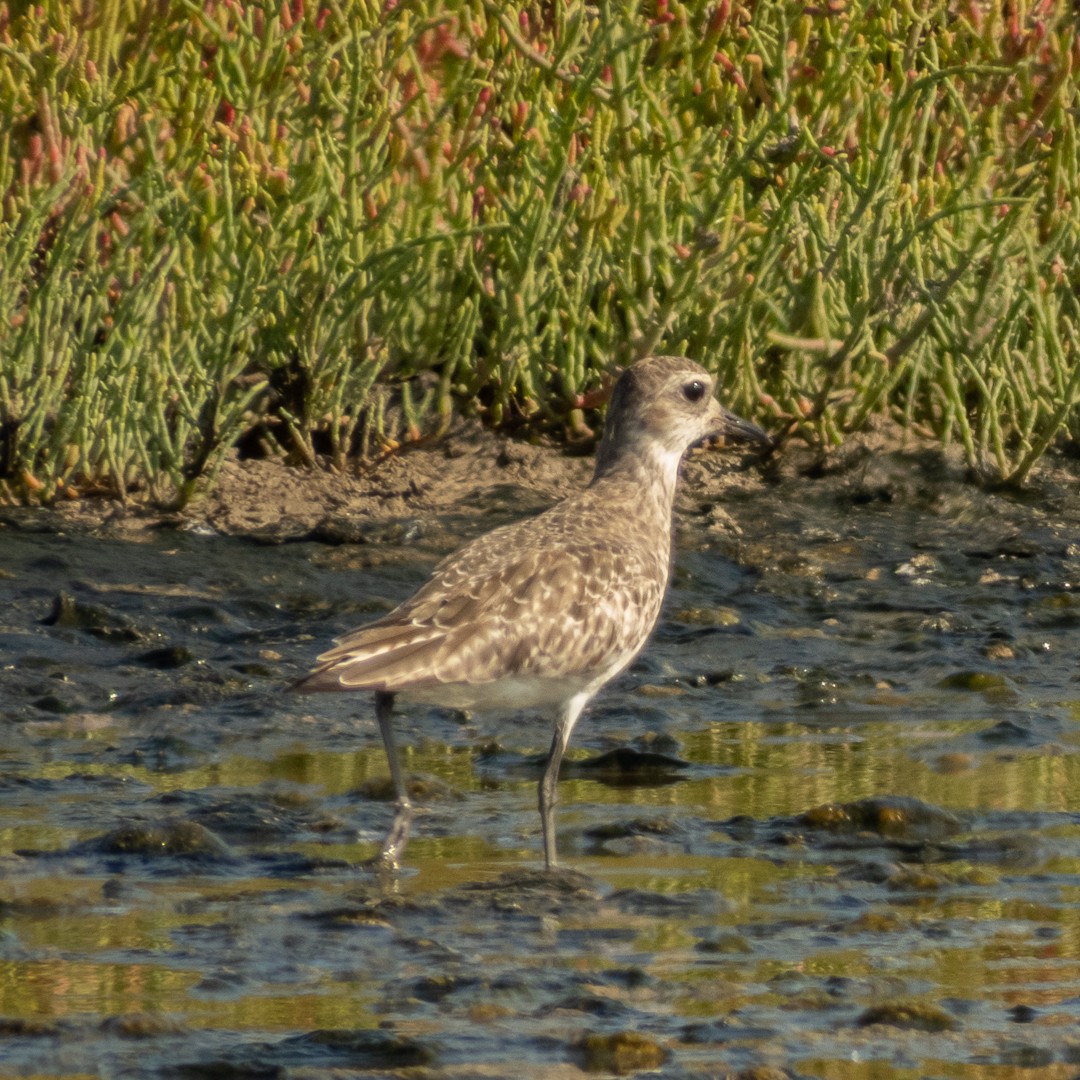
<point>556,598</point>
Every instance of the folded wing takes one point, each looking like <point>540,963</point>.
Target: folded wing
<point>493,610</point>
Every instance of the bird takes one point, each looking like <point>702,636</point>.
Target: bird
<point>539,614</point>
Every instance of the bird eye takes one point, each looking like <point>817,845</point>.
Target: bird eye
<point>694,391</point>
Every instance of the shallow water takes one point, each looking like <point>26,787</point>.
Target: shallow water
<point>854,853</point>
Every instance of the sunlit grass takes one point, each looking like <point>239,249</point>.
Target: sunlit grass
<point>321,229</point>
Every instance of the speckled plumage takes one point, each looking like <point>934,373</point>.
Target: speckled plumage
<point>504,606</point>
<point>541,613</point>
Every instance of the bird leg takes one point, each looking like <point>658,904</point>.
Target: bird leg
<point>548,799</point>
<point>398,836</point>
<point>548,788</point>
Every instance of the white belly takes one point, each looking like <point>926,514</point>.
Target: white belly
<point>516,691</point>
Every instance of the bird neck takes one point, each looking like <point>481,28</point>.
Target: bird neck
<point>645,467</point>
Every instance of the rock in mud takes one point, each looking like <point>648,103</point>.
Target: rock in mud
<point>1023,1014</point>
<point>341,529</point>
<point>1012,733</point>
<point>256,818</point>
<point>893,817</point>
<point>622,1053</point>
<point>166,658</point>
<point>707,616</point>
<point>911,1015</point>
<point>422,789</point>
<point>528,892</point>
<point>621,830</point>
<point>53,703</point>
<point>627,767</point>
<point>361,1048</point>
<point>32,1027</point>
<point>916,879</point>
<point>175,837</point>
<point>627,837</point>
<point>980,682</point>
<point>729,944</point>
<point>101,623</point>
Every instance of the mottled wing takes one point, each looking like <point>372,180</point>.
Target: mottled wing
<point>507,606</point>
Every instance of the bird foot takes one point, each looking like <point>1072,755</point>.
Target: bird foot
<point>393,847</point>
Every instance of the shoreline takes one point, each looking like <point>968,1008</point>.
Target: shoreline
<point>474,475</point>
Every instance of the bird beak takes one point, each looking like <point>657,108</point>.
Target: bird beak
<point>731,427</point>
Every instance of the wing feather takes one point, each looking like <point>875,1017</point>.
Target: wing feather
<point>507,604</point>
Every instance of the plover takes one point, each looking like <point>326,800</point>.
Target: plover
<point>541,613</point>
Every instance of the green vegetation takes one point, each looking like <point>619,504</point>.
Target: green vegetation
<point>321,227</point>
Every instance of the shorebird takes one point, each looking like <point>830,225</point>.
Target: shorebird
<point>541,613</point>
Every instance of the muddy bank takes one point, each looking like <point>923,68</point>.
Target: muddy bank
<point>472,475</point>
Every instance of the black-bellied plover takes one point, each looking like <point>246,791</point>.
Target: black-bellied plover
<point>541,613</point>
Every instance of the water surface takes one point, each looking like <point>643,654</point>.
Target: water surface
<point>854,855</point>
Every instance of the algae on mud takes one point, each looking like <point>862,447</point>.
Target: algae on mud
<point>862,868</point>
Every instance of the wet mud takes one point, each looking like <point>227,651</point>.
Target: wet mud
<point>828,825</point>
